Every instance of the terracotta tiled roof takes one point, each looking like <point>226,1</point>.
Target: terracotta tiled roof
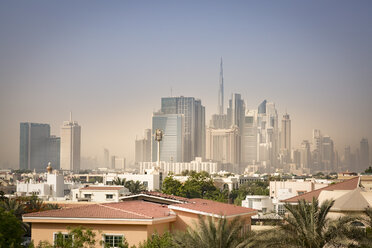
<point>119,210</point>
<point>173,197</point>
<point>349,184</point>
<point>203,206</point>
<point>102,188</point>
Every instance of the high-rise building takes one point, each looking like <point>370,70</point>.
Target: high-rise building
<point>249,139</point>
<point>113,162</point>
<point>285,138</point>
<point>317,149</point>
<point>236,112</point>
<point>286,133</point>
<point>221,92</point>
<point>106,158</point>
<point>172,144</point>
<point>37,147</point>
<point>219,121</point>
<point>305,154</point>
<point>327,154</point>
<point>268,134</point>
<point>194,123</point>
<point>364,155</point>
<point>143,148</point>
<point>222,145</point>
<point>70,145</point>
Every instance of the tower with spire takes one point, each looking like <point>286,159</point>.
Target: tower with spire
<point>220,92</point>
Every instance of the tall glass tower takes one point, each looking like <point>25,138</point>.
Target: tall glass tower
<point>194,123</point>
<point>37,147</point>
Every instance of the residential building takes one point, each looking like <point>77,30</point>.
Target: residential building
<point>134,220</point>
<point>52,188</point>
<point>37,147</point>
<point>70,145</point>
<point>99,193</point>
<point>261,203</point>
<point>197,165</point>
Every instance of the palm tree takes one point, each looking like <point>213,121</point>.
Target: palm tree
<point>215,233</point>
<point>118,181</point>
<point>135,187</point>
<point>307,226</point>
<point>13,206</point>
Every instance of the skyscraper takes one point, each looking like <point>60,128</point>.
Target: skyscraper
<point>249,138</point>
<point>223,145</point>
<point>37,148</point>
<point>106,158</point>
<point>268,134</point>
<point>143,148</point>
<point>194,123</point>
<point>172,144</point>
<point>305,154</point>
<point>364,154</point>
<point>221,92</point>
<point>70,145</point>
<point>285,146</point>
<point>328,154</point>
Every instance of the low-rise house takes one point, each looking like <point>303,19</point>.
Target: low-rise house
<point>99,193</point>
<point>262,203</point>
<point>349,184</point>
<point>136,220</point>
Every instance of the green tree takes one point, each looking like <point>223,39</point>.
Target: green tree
<point>77,237</point>
<point>249,188</point>
<point>11,230</point>
<point>369,170</point>
<point>135,187</point>
<point>171,186</point>
<point>158,241</point>
<point>198,185</point>
<point>215,233</point>
<point>307,226</point>
<point>119,181</point>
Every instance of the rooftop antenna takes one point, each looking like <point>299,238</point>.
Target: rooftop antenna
<point>171,92</point>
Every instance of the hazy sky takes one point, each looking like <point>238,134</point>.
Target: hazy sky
<point>110,62</point>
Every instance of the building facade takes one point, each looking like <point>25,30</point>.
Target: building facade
<point>172,144</point>
<point>194,123</point>
<point>70,146</point>
<point>38,147</point>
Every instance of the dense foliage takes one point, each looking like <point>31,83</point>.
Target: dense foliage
<point>134,187</point>
<point>198,185</point>
<point>11,230</point>
<point>213,232</point>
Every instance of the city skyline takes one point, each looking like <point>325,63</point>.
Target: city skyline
<point>311,59</point>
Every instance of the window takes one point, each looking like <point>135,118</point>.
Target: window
<point>109,196</point>
<point>113,240</point>
<point>88,196</point>
<point>301,192</point>
<point>62,239</point>
<point>145,183</point>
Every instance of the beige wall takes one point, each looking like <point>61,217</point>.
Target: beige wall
<point>133,233</point>
<point>185,220</point>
